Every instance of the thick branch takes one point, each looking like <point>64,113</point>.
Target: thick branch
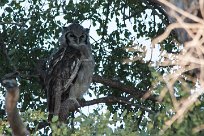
<point>12,96</point>
<point>121,87</point>
<point>113,99</point>
<point>108,99</point>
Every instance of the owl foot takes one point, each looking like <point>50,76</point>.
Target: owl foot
<point>74,103</point>
<point>69,105</point>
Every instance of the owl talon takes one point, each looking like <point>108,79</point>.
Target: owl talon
<point>74,102</point>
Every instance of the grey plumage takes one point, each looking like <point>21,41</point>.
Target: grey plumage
<point>69,72</point>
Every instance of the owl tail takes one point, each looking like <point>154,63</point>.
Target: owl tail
<point>70,104</point>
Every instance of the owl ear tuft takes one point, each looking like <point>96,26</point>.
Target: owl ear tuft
<point>87,30</point>
<point>64,29</point>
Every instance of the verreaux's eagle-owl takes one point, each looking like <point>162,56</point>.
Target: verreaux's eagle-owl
<point>69,71</point>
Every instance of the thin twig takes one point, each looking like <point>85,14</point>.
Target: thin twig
<point>9,23</point>
<point>182,12</point>
<point>184,107</point>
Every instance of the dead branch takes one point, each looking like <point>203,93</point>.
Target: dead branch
<point>190,28</point>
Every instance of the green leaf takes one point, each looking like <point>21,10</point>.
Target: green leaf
<point>124,112</point>
<point>55,119</point>
<point>9,9</point>
<point>3,2</point>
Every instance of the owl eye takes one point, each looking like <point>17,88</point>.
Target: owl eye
<point>83,36</point>
<point>72,36</point>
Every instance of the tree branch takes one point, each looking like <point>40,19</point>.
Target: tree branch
<point>113,99</point>
<point>119,86</point>
<point>12,95</point>
<point>108,99</point>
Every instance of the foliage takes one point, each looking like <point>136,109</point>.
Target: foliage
<point>29,32</point>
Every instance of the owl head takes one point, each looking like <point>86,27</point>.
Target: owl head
<point>75,35</point>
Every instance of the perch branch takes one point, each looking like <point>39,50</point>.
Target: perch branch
<point>108,99</point>
<point>113,99</point>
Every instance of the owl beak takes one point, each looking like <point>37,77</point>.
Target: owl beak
<point>77,41</point>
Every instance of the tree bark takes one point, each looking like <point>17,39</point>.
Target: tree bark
<point>12,96</point>
<point>123,88</point>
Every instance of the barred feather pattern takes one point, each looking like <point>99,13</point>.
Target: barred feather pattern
<point>69,72</point>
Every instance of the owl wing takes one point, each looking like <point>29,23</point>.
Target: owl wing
<point>59,78</point>
<point>73,73</point>
<point>53,80</point>
<point>55,58</point>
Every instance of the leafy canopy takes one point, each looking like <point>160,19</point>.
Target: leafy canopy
<point>29,32</point>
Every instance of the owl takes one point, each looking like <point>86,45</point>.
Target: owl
<point>69,71</point>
